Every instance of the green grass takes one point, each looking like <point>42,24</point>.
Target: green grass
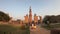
<point>9,29</point>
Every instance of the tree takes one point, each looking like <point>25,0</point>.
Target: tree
<point>4,16</point>
<point>46,18</point>
<point>52,19</point>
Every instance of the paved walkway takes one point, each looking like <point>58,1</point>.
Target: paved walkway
<point>39,30</point>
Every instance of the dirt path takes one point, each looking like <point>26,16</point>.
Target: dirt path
<point>39,30</point>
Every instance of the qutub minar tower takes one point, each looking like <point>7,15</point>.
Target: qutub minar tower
<point>28,18</point>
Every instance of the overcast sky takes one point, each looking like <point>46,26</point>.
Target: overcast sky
<point>19,8</point>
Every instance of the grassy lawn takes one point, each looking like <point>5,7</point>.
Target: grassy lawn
<point>9,29</point>
<point>49,27</point>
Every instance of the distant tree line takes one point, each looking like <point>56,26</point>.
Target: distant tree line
<point>52,19</point>
<point>4,16</point>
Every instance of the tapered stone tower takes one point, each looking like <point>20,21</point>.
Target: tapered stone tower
<point>30,15</point>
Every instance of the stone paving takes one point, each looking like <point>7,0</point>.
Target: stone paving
<point>39,30</point>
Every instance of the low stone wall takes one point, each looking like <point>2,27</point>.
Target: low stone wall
<point>55,31</point>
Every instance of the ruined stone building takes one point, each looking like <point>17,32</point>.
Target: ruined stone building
<point>35,18</point>
<point>28,17</point>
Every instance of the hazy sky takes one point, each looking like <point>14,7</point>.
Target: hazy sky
<point>19,8</point>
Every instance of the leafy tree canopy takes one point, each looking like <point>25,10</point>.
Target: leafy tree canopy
<point>4,16</point>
